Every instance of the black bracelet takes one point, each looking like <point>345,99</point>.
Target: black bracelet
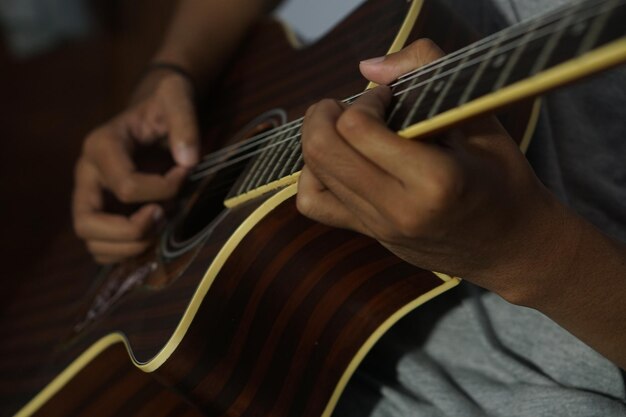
<point>169,66</point>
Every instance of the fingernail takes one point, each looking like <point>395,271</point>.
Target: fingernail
<point>157,214</point>
<point>185,155</point>
<point>372,61</point>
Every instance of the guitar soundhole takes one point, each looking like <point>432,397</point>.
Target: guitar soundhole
<point>205,204</point>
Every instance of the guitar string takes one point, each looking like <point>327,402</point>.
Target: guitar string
<point>503,49</point>
<point>474,48</point>
<point>518,29</point>
<point>291,126</point>
<point>220,166</point>
<point>217,167</point>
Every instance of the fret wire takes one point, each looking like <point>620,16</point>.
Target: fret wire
<point>514,58</point>
<point>400,101</point>
<point>444,93</point>
<point>273,164</point>
<point>199,175</point>
<point>512,31</point>
<point>538,38</point>
<point>552,43</point>
<point>461,88</point>
<point>244,187</point>
<point>419,100</point>
<point>295,154</point>
<point>505,48</point>
<point>262,174</point>
<point>263,138</point>
<point>546,19</point>
<point>597,25</point>
<point>298,165</point>
<point>471,86</point>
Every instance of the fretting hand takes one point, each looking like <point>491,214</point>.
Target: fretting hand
<point>466,203</point>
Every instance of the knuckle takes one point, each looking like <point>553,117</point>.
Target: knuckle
<point>352,121</point>
<point>312,146</point>
<point>408,223</point>
<point>444,188</point>
<point>327,104</point>
<point>126,190</point>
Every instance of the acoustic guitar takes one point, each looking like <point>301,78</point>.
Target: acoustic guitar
<point>244,307</point>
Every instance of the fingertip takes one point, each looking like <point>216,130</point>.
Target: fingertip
<point>185,154</point>
<point>150,213</point>
<point>374,61</point>
<point>157,214</point>
<point>375,70</point>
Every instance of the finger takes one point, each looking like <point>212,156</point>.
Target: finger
<point>145,124</point>
<point>315,201</point>
<point>86,196</point>
<point>117,250</point>
<point>95,225</point>
<point>384,70</point>
<point>184,138</point>
<point>363,128</point>
<point>139,187</point>
<point>340,167</point>
<point>117,172</point>
<point>107,260</point>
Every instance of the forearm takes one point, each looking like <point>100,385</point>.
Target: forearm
<point>203,33</point>
<point>585,288</point>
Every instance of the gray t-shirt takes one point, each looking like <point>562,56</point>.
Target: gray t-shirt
<point>470,353</point>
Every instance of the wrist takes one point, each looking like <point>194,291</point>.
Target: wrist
<point>158,74</point>
<point>557,262</point>
<point>194,68</point>
<point>169,67</point>
<point>538,266</point>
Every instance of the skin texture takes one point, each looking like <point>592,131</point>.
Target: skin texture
<point>466,203</point>
<point>200,38</point>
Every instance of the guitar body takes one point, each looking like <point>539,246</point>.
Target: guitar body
<point>247,311</point>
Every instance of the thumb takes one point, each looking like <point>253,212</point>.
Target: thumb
<point>385,69</point>
<point>184,137</point>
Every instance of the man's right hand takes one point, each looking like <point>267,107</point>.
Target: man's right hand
<point>163,107</point>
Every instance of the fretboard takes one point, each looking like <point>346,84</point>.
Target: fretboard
<point>504,59</point>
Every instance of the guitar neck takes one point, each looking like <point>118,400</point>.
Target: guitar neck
<point>520,62</point>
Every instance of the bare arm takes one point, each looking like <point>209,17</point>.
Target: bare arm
<point>467,204</point>
<point>203,33</point>
<point>201,36</point>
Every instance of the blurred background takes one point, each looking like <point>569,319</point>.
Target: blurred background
<point>65,67</point>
